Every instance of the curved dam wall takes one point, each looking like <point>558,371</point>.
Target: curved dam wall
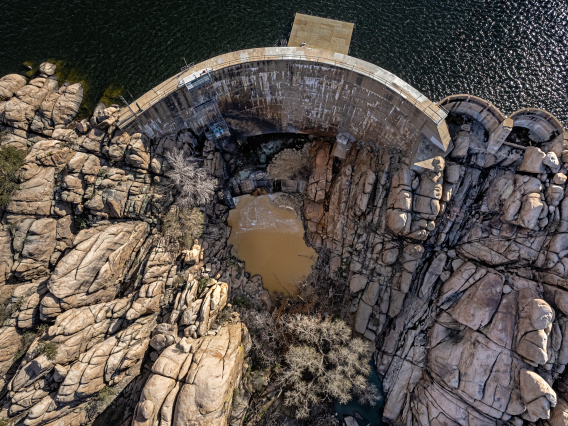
<point>289,89</point>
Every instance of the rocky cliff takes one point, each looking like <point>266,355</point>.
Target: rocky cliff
<point>458,274</point>
<point>95,306</point>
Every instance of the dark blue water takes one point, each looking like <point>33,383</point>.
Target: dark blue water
<point>512,52</point>
<point>365,415</point>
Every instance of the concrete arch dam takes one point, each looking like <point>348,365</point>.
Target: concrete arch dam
<point>289,89</point>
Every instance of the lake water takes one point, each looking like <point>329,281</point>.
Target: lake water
<point>364,415</point>
<point>269,237</point>
<point>511,52</point>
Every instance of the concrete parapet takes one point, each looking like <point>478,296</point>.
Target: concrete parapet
<point>480,109</point>
<point>498,136</point>
<point>543,125</point>
<point>288,89</point>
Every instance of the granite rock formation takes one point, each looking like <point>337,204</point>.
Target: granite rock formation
<point>458,273</point>
<point>96,303</point>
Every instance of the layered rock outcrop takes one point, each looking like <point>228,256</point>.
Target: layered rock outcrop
<point>457,273</point>
<point>192,381</point>
<point>93,295</point>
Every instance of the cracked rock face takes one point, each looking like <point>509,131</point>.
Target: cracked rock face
<point>192,382</point>
<point>458,274</point>
<point>98,307</point>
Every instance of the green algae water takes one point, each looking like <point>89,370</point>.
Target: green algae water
<point>511,52</point>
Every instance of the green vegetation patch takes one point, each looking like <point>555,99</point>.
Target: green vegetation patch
<point>49,349</point>
<point>81,222</point>
<point>183,225</point>
<point>11,160</point>
<point>65,72</point>
<point>241,301</point>
<point>27,339</point>
<point>111,95</point>
<point>204,282</point>
<point>102,400</point>
<point>75,75</point>
<point>106,395</point>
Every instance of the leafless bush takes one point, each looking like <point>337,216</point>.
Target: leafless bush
<point>266,343</point>
<point>321,361</point>
<point>291,164</point>
<point>369,395</point>
<point>182,225</point>
<point>196,186</point>
<point>328,364</point>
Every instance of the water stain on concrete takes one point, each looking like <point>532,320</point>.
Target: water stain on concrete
<point>270,239</point>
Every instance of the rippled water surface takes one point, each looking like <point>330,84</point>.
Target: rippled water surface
<point>513,52</point>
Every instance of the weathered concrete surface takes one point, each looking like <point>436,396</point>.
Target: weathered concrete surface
<point>543,125</point>
<point>288,89</point>
<point>481,110</point>
<point>321,33</point>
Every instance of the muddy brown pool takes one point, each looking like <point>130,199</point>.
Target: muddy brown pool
<point>269,238</point>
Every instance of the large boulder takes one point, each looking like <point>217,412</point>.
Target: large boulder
<point>93,269</point>
<point>10,84</point>
<point>58,109</point>
<point>192,383</point>
<point>20,110</point>
<point>138,153</point>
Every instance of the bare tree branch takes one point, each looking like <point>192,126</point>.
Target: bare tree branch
<point>195,185</point>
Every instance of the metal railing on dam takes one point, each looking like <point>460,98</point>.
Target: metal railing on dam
<point>433,111</point>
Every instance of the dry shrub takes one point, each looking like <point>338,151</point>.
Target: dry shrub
<point>266,336</point>
<point>327,364</point>
<point>195,185</point>
<point>320,362</point>
<point>291,164</point>
<point>183,225</point>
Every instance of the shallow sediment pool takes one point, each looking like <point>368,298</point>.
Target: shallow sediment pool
<point>269,238</point>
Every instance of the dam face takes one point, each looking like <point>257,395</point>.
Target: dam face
<point>296,90</point>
